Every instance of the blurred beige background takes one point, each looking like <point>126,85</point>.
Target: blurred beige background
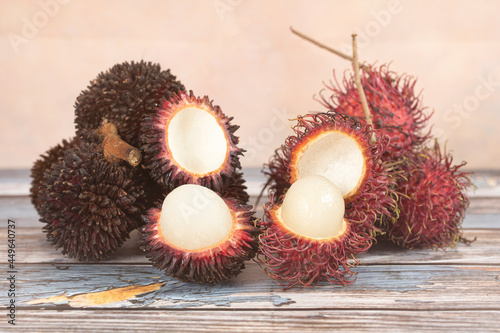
<point>242,54</point>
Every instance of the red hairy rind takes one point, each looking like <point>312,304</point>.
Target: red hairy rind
<point>89,206</point>
<point>158,158</point>
<point>211,265</point>
<point>395,108</point>
<point>310,126</point>
<point>294,260</point>
<point>46,160</point>
<point>236,188</point>
<point>377,203</point>
<point>281,168</point>
<point>433,201</point>
<point>278,174</point>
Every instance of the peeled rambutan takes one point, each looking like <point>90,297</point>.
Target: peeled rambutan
<point>433,201</point>
<point>89,201</point>
<point>396,110</point>
<point>124,95</point>
<point>329,144</point>
<point>337,149</point>
<point>46,160</point>
<point>197,235</point>
<point>309,237</point>
<point>190,141</point>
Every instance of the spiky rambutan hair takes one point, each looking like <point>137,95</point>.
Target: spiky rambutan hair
<point>292,259</point>
<point>278,174</point>
<point>124,95</point>
<point>396,109</point>
<point>88,204</point>
<point>236,188</point>
<point>283,168</point>
<point>178,257</point>
<point>45,161</point>
<point>189,140</point>
<point>433,200</point>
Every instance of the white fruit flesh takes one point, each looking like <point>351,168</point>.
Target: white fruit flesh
<point>337,157</point>
<point>314,207</point>
<point>196,140</point>
<point>194,217</point>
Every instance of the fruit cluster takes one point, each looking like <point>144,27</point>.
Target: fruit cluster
<point>181,187</point>
<point>148,155</point>
<point>393,184</point>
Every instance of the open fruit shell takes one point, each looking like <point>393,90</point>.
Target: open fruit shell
<point>208,265</point>
<point>158,156</point>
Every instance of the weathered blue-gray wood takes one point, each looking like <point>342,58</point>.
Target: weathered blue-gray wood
<point>452,287</point>
<point>14,182</point>
<point>268,320</point>
<point>20,210</point>
<point>397,289</point>
<point>487,183</point>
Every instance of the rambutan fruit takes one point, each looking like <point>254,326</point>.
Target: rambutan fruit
<point>45,161</point>
<point>337,149</point>
<point>197,235</point>
<point>190,141</point>
<point>236,188</point>
<point>433,201</point>
<point>89,201</point>
<point>329,144</point>
<point>310,238</point>
<point>124,95</point>
<point>396,110</point>
<point>277,173</point>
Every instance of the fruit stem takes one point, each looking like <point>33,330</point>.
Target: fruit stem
<point>115,148</point>
<point>323,46</point>
<point>361,92</point>
<point>355,62</point>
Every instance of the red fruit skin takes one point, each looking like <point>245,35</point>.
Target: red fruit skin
<point>432,202</point>
<point>210,265</point>
<point>158,157</point>
<point>236,189</point>
<point>281,170</point>
<point>293,260</point>
<point>396,110</point>
<point>277,172</point>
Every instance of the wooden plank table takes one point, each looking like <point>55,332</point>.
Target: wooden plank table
<point>396,290</point>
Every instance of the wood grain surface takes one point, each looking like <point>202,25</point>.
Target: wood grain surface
<point>396,289</point>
